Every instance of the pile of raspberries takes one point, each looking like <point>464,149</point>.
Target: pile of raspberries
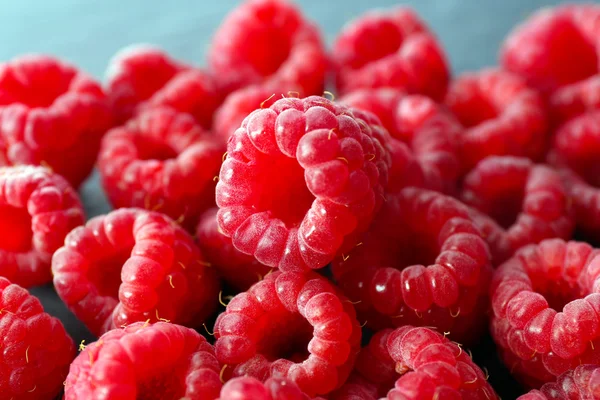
<point>272,241</point>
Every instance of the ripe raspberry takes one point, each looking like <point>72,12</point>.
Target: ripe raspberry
<point>142,76</point>
<point>586,202</point>
<point>146,361</point>
<point>423,262</point>
<point>527,200</point>
<point>301,177</point>
<point>293,326</point>
<point>50,114</point>
<point>546,309</point>
<point>38,208</point>
<point>501,116</point>
<point>248,388</point>
<point>133,265</point>
<point>582,382</point>
<point>161,160</point>
<point>236,268</point>
<point>390,48</point>
<point>36,350</point>
<point>269,42</point>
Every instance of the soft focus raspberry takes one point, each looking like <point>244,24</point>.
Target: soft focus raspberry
<point>290,325</point>
<point>586,202</point>
<point>390,48</point>
<point>36,350</point>
<point>501,116</point>
<point>236,268</point>
<point>248,388</point>
<point>582,382</point>
<point>52,115</point>
<point>300,178</point>
<point>546,305</point>
<point>528,201</point>
<point>142,76</point>
<point>158,361</point>
<point>423,262</point>
<point>268,42</point>
<point>133,265</point>
<point>162,160</point>
<point>38,208</point>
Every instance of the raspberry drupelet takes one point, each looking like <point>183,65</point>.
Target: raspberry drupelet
<point>51,114</point>
<point>133,265</point>
<point>161,160</point>
<point>290,325</point>
<point>160,361</point>
<point>301,179</point>
<point>38,208</point>
<point>36,350</point>
<point>583,382</point>
<point>249,388</point>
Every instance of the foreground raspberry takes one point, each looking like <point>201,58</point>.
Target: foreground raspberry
<point>36,350</point>
<point>141,76</point>
<point>300,178</point>
<point>50,114</point>
<point>133,265</point>
<point>248,388</point>
<point>423,262</point>
<point>582,382</point>
<point>163,161</point>
<point>546,304</point>
<point>390,48</point>
<point>290,325</point>
<point>38,208</point>
<point>158,361</point>
<point>268,42</point>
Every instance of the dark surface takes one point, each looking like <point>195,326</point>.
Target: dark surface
<point>89,32</point>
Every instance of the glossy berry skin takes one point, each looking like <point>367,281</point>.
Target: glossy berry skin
<point>390,48</point>
<point>501,115</point>
<point>161,160</point>
<point>249,388</point>
<point>52,115</point>
<point>133,265</point>
<point>36,350</point>
<point>290,325</point>
<point>583,382</point>
<point>141,76</point>
<point>268,42</point>
<point>301,178</point>
<point>545,301</point>
<point>38,208</point>
<point>160,361</point>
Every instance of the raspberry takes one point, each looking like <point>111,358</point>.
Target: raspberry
<point>161,160</point>
<point>133,265</point>
<point>146,361</point>
<point>38,208</point>
<point>236,268</point>
<point>545,309</point>
<point>423,262</point>
<point>501,116</point>
<point>248,388</point>
<point>36,350</point>
<point>50,114</point>
<point>390,48</point>
<point>527,200</point>
<point>586,202</point>
<point>290,325</point>
<point>268,42</point>
<point>582,382</point>
<point>301,177</point>
<point>142,76</point>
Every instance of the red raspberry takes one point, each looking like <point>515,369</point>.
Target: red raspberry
<point>36,350</point>
<point>356,388</point>
<point>301,177</point>
<point>546,305</point>
<point>527,200</point>
<point>248,388</point>
<point>423,262</point>
<point>161,160</point>
<point>582,382</point>
<point>270,42</point>
<point>146,361</point>
<point>501,116</point>
<point>38,208</point>
<point>51,114</point>
<point>236,268</point>
<point>290,325</point>
<point>390,48</point>
<point>133,265</point>
<point>586,202</point>
<point>142,76</point>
